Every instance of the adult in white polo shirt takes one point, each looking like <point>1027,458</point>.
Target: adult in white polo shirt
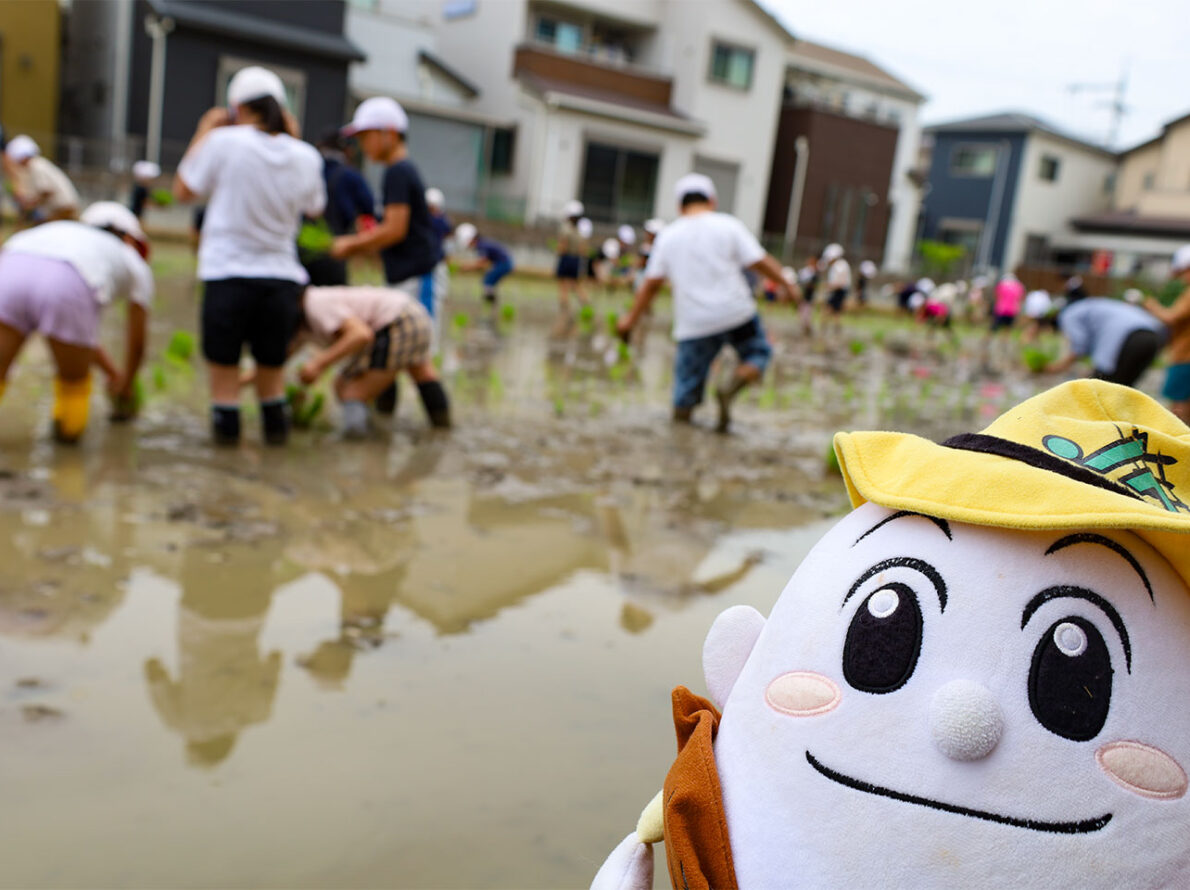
<point>55,280</point>
<point>702,254</point>
<point>258,181</point>
<point>42,190</point>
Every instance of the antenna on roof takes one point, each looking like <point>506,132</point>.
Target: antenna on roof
<point>1117,105</point>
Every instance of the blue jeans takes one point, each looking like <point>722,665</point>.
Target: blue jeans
<point>492,277</point>
<point>693,360</point>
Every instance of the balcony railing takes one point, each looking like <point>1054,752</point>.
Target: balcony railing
<point>593,74</point>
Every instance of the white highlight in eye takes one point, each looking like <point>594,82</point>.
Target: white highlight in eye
<point>883,603</point>
<point>1070,639</point>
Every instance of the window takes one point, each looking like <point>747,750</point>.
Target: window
<point>732,65</point>
<point>565,37</point>
<point>1149,181</point>
<point>1109,183</point>
<point>503,142</point>
<point>1049,168</point>
<point>619,184</point>
<point>973,160</point>
<point>293,79</point>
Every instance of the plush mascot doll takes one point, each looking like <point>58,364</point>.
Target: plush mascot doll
<point>979,678</point>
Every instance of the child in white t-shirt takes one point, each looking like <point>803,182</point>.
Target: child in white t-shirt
<point>701,254</point>
<point>56,280</point>
<point>377,332</point>
<point>43,192</point>
<point>258,180</point>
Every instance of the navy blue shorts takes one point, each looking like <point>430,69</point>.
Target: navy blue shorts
<point>569,266</point>
<point>693,360</point>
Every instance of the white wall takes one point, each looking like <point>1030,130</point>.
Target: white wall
<point>391,36</point>
<point>558,176</point>
<point>741,126</point>
<point>1045,208</point>
<point>480,47</point>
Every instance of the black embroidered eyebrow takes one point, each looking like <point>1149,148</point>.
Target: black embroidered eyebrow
<point>1114,546</point>
<point>1081,593</point>
<point>909,562</point>
<point>941,523</point>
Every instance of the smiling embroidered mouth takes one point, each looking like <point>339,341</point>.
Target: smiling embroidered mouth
<point>1084,827</point>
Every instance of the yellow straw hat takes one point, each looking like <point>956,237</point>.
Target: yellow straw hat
<point>1085,454</point>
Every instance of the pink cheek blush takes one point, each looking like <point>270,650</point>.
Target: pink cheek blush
<point>802,694</point>
<point>1142,769</point>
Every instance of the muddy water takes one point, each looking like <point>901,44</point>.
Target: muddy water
<point>420,660</point>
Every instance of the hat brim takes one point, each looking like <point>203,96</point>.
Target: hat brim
<point>906,472</point>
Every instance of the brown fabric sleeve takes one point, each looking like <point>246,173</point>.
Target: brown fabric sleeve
<point>696,845</point>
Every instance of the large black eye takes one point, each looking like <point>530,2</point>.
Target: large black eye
<point>883,641</point>
<point>1070,682</point>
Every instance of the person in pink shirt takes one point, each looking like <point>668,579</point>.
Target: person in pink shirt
<point>1009,295</point>
<point>377,332</point>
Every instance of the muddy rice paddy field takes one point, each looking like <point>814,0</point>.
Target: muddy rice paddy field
<point>420,660</point>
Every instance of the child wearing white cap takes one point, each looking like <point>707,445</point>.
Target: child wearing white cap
<point>838,278</point>
<point>491,256</point>
<point>701,253</point>
<point>258,180</point>
<point>572,255</point>
<point>144,174</point>
<point>56,280</point>
<point>1177,318</point>
<point>404,236</point>
<point>43,192</point>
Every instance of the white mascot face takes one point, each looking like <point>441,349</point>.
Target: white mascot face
<point>936,704</point>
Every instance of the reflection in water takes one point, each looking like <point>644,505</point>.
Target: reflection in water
<point>364,602</point>
<point>224,683</point>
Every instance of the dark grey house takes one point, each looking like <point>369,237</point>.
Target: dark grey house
<point>138,75</point>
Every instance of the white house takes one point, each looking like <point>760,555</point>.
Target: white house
<point>610,101</point>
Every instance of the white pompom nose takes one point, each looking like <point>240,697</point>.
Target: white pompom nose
<point>965,720</point>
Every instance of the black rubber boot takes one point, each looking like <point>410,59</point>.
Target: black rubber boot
<point>274,419</point>
<point>386,402</point>
<point>437,405</point>
<point>225,424</point>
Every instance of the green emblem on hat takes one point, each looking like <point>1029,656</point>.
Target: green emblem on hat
<point>1144,471</point>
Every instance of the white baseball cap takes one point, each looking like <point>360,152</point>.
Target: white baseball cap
<point>435,198</point>
<point>654,226</point>
<point>145,170</point>
<point>21,148</point>
<point>110,215</point>
<point>1134,295</point>
<point>694,184</point>
<point>832,252</point>
<point>465,234</point>
<point>611,249</point>
<point>867,269</point>
<point>585,227</point>
<point>925,285</point>
<point>571,209</point>
<point>254,82</point>
<point>789,274</point>
<point>1179,264</point>
<point>378,113</point>
<point>627,234</point>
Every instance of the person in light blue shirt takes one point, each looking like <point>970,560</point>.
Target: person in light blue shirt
<point>1120,339</point>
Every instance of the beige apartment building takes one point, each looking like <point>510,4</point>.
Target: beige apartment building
<point>1150,213</point>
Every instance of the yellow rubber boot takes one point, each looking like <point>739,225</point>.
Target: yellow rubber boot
<point>72,405</point>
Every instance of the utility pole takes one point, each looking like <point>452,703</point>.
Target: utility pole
<point>1116,104</point>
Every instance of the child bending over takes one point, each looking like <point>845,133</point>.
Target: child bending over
<point>377,332</point>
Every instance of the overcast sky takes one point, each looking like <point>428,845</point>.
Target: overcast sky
<point>970,58</point>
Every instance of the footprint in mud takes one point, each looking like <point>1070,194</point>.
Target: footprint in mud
<point>37,713</point>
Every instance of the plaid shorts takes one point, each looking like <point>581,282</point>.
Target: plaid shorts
<point>402,344</point>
